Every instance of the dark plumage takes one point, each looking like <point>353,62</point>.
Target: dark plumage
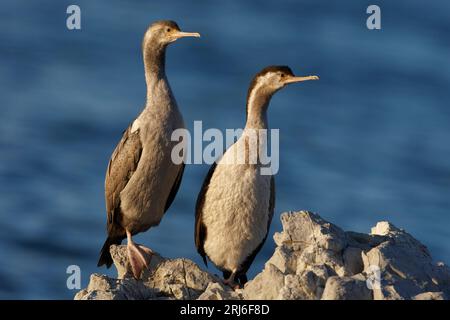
<point>121,166</point>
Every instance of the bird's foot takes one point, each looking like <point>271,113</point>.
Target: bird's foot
<point>231,283</point>
<point>139,257</point>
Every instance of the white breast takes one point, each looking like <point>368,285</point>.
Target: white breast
<point>235,211</point>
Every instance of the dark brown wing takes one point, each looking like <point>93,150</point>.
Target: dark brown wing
<point>175,187</point>
<point>122,165</point>
<point>247,263</point>
<point>200,228</point>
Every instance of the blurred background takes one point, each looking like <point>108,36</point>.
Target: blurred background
<point>368,142</point>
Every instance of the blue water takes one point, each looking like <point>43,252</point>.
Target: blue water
<point>369,141</point>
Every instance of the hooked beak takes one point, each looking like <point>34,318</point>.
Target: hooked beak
<point>181,34</point>
<point>300,79</point>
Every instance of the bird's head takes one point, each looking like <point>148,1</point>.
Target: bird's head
<point>273,78</point>
<point>161,33</point>
<point>266,83</point>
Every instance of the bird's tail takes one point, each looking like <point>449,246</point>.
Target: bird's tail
<point>204,260</point>
<point>105,255</point>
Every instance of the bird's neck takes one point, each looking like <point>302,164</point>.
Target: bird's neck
<point>257,104</point>
<point>256,126</point>
<point>155,72</point>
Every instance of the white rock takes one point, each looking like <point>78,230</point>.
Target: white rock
<point>314,259</point>
<point>165,279</point>
<point>382,228</point>
<point>284,259</point>
<point>346,288</point>
<point>430,296</point>
<point>266,285</point>
<point>217,291</point>
<point>295,289</point>
<point>353,263</point>
<point>405,265</point>
<point>302,229</point>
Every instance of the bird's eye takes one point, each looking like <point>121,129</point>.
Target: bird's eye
<point>282,75</point>
<point>168,29</point>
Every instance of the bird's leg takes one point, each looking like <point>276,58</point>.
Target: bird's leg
<point>136,256</point>
<point>231,282</point>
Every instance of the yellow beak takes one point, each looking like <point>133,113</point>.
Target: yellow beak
<point>300,79</point>
<point>181,34</point>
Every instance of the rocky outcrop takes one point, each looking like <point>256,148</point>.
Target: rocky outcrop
<point>314,259</point>
<point>164,279</point>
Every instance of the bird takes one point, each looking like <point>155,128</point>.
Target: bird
<point>141,179</point>
<point>236,202</point>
